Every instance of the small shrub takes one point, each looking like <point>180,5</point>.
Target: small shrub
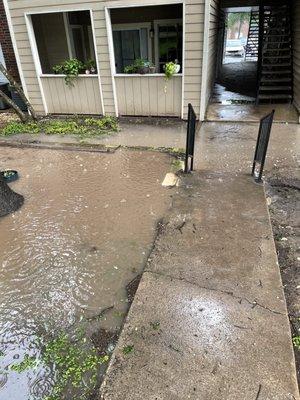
<point>296,342</point>
<point>13,128</point>
<point>61,127</point>
<point>104,123</point>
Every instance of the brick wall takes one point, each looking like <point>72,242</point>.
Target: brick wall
<point>6,44</point>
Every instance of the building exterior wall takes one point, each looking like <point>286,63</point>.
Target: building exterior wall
<point>193,45</point>
<point>211,36</point>
<point>6,44</point>
<point>296,53</point>
<point>149,95</point>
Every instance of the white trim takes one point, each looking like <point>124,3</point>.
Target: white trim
<point>205,61</point>
<point>57,9</point>
<point>157,23</point>
<point>139,75</point>
<point>62,75</point>
<point>36,58</point>
<point>138,26</point>
<point>111,56</point>
<point>67,31</point>
<point>183,60</point>
<point>15,47</point>
<point>97,60</point>
<point>135,3</point>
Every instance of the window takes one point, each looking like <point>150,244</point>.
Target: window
<point>168,36</point>
<point>62,36</point>
<point>130,43</point>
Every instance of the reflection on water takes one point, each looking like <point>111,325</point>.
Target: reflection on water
<point>84,232</point>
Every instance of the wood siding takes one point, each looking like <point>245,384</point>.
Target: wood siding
<point>82,98</point>
<point>296,53</point>
<point>193,46</point>
<point>149,95</point>
<point>212,48</point>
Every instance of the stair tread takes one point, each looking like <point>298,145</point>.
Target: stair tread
<point>272,88</point>
<point>266,80</point>
<point>274,96</point>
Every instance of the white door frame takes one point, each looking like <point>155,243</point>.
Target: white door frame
<point>203,98</point>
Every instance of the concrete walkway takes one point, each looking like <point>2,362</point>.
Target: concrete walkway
<point>209,319</point>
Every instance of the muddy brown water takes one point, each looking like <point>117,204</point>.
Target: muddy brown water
<point>84,232</point>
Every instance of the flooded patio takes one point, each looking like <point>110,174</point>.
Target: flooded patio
<point>84,232</point>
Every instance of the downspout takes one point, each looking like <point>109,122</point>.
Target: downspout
<point>203,94</point>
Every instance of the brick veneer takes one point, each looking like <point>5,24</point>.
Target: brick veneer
<point>6,45</point>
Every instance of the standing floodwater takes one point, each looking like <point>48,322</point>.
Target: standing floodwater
<point>84,232</point>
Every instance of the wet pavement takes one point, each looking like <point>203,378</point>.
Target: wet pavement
<point>251,113</point>
<point>84,232</point>
<point>220,324</point>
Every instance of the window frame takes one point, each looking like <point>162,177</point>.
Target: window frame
<point>165,22</point>
<point>134,27</point>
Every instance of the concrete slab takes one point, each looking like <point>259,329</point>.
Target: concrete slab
<point>208,346</point>
<point>251,112</point>
<point>209,319</point>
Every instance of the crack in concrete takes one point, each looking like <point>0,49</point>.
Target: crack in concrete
<point>252,303</point>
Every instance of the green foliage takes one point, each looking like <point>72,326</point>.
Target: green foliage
<point>90,65</point>
<point>71,68</point>
<point>137,67</point>
<point>128,349</point>
<point>296,342</point>
<point>13,128</point>
<point>27,363</point>
<point>170,69</point>
<point>76,364</point>
<point>104,123</point>
<point>61,127</point>
<point>237,18</point>
<point>84,128</point>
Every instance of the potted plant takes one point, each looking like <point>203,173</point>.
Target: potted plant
<point>90,67</point>
<point>171,68</point>
<point>140,66</point>
<point>70,68</point>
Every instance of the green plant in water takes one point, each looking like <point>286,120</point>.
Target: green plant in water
<point>296,342</point>
<point>27,363</point>
<point>76,364</point>
<point>71,68</point>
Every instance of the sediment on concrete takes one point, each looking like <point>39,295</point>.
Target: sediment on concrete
<point>209,319</point>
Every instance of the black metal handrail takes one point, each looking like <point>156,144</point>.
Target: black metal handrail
<point>190,140</point>
<point>261,148</point>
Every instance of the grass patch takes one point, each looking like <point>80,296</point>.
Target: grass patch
<point>82,127</point>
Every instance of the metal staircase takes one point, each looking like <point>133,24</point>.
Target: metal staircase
<point>275,67</point>
<point>253,37</point>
